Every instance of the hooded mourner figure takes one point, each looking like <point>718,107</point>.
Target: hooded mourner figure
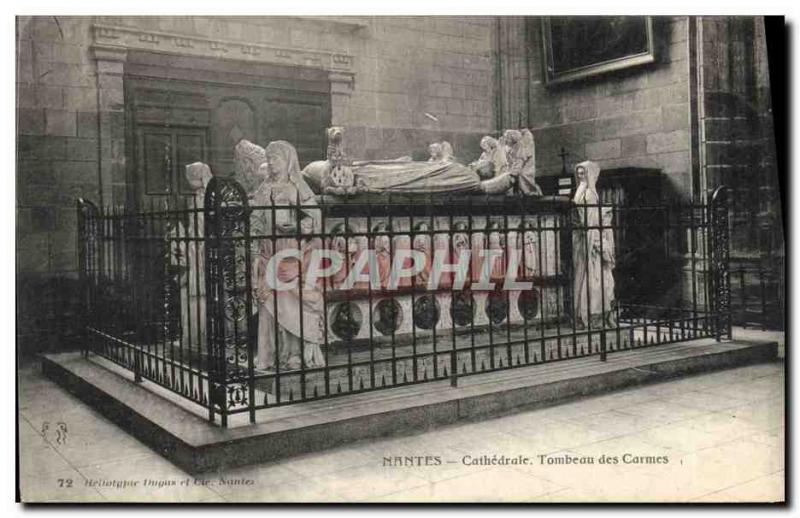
<point>593,251</point>
<point>190,255</point>
<point>299,318</point>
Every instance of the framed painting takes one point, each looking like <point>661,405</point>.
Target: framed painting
<point>576,47</point>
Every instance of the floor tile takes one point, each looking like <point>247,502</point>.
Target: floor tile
<point>616,422</point>
<point>66,485</point>
<point>723,433</point>
<point>663,411</point>
<point>724,426</point>
<point>495,485</point>
<point>322,463</point>
<point>769,488</point>
<point>296,491</point>
<point>148,479</point>
<point>679,437</point>
<point>367,482</point>
<point>703,400</point>
<point>553,436</point>
<point>261,475</point>
<point>40,459</point>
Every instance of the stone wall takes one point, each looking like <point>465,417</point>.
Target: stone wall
<point>639,117</point>
<point>409,66</point>
<point>71,116</point>
<point>57,161</point>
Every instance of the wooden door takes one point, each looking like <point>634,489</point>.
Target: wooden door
<point>184,109</point>
<point>163,153</point>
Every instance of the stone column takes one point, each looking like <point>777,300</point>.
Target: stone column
<point>342,84</point>
<point>111,123</point>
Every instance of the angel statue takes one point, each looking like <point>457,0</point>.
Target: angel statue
<point>493,160</point>
<point>523,163</point>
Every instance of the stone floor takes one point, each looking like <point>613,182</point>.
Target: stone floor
<point>722,435</point>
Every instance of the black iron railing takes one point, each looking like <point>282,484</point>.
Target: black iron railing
<point>187,298</point>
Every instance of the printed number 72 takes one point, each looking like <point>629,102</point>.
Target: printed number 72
<point>65,482</point>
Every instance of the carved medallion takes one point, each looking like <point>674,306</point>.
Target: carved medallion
<point>462,308</point>
<point>426,312</point>
<point>346,320</point>
<point>528,304</point>
<point>388,316</point>
<point>496,307</point>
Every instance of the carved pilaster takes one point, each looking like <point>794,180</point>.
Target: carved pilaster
<point>342,85</point>
<point>110,62</point>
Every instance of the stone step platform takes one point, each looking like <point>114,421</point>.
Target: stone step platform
<point>176,430</point>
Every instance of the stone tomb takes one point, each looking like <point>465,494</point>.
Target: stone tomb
<point>414,312</point>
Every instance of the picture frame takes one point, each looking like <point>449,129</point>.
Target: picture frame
<point>571,50</point>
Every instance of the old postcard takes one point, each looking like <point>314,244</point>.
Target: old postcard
<point>344,259</point>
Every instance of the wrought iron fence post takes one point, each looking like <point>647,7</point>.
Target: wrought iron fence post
<point>215,313</point>
<point>720,264</point>
<point>229,306</point>
<point>83,290</point>
<point>567,266</point>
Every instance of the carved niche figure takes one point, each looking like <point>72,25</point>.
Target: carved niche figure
<point>247,158</point>
<point>460,244</point>
<point>383,258</point>
<point>497,245</point>
<point>298,338</point>
<point>478,246</point>
<point>403,242</point>
<point>529,262</point>
<point>359,251</point>
<point>593,251</point>
<point>339,243</point>
<point>422,243</point>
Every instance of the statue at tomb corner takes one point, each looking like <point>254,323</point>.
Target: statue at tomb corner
<point>190,256</point>
<point>247,158</point>
<point>334,175</point>
<point>290,323</point>
<point>520,171</point>
<point>524,166</point>
<point>593,252</point>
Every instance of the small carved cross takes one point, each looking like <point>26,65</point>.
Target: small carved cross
<point>563,156</point>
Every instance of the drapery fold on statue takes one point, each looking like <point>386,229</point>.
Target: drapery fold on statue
<point>417,177</point>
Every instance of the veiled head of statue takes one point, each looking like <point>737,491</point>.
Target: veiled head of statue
<point>282,159</point>
<point>435,150</point>
<point>198,175</point>
<point>588,172</point>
